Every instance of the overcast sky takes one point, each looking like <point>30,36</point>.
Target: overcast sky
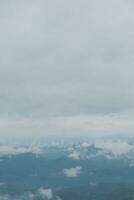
<point>66,68</point>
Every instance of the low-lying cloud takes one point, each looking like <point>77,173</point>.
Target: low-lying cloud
<point>110,149</point>
<point>13,150</point>
<point>46,193</point>
<point>72,172</point>
<point>41,193</point>
<point>116,148</point>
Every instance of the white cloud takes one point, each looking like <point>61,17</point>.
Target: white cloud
<point>72,172</point>
<point>46,193</point>
<point>41,193</point>
<point>13,150</point>
<point>115,147</point>
<point>75,155</point>
<point>70,149</point>
<point>85,144</point>
<point>110,149</point>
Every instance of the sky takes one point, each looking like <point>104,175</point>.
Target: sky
<point>66,68</point>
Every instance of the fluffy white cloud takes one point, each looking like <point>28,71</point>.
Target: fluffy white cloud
<point>72,172</point>
<point>115,147</point>
<point>46,193</point>
<point>75,155</point>
<point>13,150</point>
<point>110,149</point>
<point>85,144</point>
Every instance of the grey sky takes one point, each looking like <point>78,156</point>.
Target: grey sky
<point>66,67</point>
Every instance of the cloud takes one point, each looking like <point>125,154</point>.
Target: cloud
<point>85,144</point>
<point>110,149</point>
<point>41,193</point>
<point>96,125</point>
<point>72,172</point>
<point>131,164</point>
<point>89,125</point>
<point>65,67</point>
<point>12,150</point>
<point>74,155</point>
<point>115,147</point>
<point>45,193</point>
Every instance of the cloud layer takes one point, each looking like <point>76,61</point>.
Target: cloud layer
<point>66,68</point>
<point>13,150</point>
